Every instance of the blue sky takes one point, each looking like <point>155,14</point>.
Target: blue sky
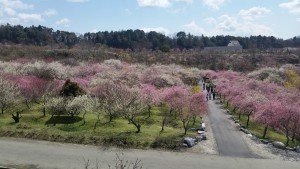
<point>279,18</point>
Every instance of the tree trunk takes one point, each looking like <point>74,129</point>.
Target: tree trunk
<point>265,132</point>
<point>53,119</point>
<point>293,136</point>
<point>26,102</point>
<point>138,126</point>
<point>2,110</point>
<point>83,116</point>
<point>294,132</point>
<point>44,111</point>
<point>149,110</point>
<point>234,109</point>
<point>163,124</point>
<point>287,137</point>
<point>239,115</point>
<point>185,126</point>
<point>16,117</point>
<point>248,119</point>
<point>110,118</point>
<point>194,120</point>
<point>170,111</point>
<point>98,119</point>
<point>95,125</point>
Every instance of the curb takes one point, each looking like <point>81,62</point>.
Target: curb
<point>2,167</point>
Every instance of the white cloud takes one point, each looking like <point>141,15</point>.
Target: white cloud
<point>9,7</point>
<point>215,4</point>
<point>158,29</point>
<point>64,21</point>
<point>94,31</point>
<point>9,12</point>
<point>293,6</point>
<point>230,25</point>
<point>14,4</point>
<point>24,17</point>
<point>77,1</point>
<point>154,3</point>
<point>193,28</point>
<point>250,28</point>
<point>210,20</point>
<point>50,12</point>
<point>254,12</point>
<point>227,23</point>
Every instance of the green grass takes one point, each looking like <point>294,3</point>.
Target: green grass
<point>257,129</point>
<point>117,133</point>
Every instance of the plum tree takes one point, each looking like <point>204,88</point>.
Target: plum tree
<point>151,96</point>
<point>9,93</point>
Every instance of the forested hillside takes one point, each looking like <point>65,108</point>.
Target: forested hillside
<point>133,39</point>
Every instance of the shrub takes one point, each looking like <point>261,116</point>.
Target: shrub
<point>71,89</point>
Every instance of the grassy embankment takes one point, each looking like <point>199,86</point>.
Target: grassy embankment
<point>118,133</point>
<point>258,129</point>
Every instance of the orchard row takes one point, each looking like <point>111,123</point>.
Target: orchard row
<point>268,103</point>
<point>112,89</point>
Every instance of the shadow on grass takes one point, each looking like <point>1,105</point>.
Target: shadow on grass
<point>63,120</point>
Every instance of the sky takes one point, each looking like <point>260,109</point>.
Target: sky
<point>279,18</point>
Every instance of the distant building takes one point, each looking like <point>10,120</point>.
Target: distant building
<point>233,46</point>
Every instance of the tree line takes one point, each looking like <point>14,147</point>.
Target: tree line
<point>133,39</point>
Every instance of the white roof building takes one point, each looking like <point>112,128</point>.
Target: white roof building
<point>234,43</point>
<point>232,47</point>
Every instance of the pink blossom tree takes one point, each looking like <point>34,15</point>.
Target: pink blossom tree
<point>192,105</point>
<point>30,87</point>
<point>198,105</point>
<point>185,104</point>
<point>107,95</point>
<point>265,114</point>
<point>250,103</point>
<point>151,96</point>
<point>171,97</point>
<point>48,90</point>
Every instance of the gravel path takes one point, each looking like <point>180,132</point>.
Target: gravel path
<point>208,146</point>
<point>268,151</point>
<point>265,151</point>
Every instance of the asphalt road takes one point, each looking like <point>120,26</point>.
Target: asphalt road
<point>47,155</point>
<point>228,139</point>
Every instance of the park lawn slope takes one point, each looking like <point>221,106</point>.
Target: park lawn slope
<point>117,133</point>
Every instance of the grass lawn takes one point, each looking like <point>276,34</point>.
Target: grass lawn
<point>117,133</point>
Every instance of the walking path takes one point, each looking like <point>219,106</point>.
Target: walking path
<point>229,142</point>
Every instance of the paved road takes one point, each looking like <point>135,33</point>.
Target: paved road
<point>47,155</point>
<point>228,140</point>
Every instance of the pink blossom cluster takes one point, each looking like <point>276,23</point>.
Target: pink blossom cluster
<point>266,102</point>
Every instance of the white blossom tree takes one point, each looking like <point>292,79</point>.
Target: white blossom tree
<point>9,93</point>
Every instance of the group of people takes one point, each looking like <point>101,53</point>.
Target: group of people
<point>211,94</point>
